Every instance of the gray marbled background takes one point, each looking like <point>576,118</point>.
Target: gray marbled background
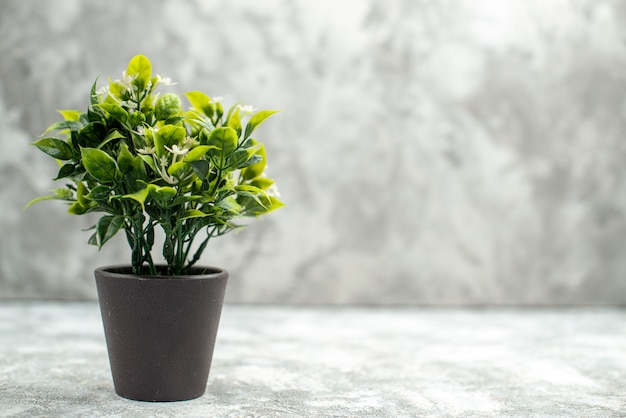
<point>440,152</point>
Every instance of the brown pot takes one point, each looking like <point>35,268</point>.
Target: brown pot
<point>160,330</point>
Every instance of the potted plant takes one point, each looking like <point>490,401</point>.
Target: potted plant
<point>145,164</point>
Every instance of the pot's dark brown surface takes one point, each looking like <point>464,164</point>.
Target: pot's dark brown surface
<point>160,331</point>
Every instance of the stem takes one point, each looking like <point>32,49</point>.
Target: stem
<point>201,248</point>
<point>148,234</point>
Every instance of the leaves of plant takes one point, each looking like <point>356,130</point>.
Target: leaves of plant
<point>55,148</point>
<point>140,69</point>
<point>66,170</point>
<point>205,169</point>
<point>223,140</point>
<point>168,135</point>
<point>107,227</point>
<point>139,197</point>
<point>198,152</point>
<point>99,192</point>
<point>200,167</point>
<point>255,170</point>
<point>201,102</point>
<point>100,165</point>
<point>234,121</point>
<point>72,115</point>
<point>257,119</point>
<point>162,193</point>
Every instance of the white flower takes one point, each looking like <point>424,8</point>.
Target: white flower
<point>146,150</point>
<point>273,191</point>
<point>246,109</point>
<point>141,130</point>
<point>176,150</point>
<point>218,99</point>
<point>190,143</point>
<point>127,80</point>
<point>164,163</point>
<point>130,105</point>
<point>166,81</point>
<point>102,90</point>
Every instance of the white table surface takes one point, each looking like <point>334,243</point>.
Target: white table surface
<point>337,362</point>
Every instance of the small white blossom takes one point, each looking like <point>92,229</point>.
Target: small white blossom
<point>273,191</point>
<point>146,150</point>
<point>190,142</point>
<point>246,109</point>
<point>127,80</point>
<point>218,99</point>
<point>130,105</point>
<point>176,150</point>
<point>102,90</point>
<point>141,130</point>
<point>164,162</point>
<point>166,81</point>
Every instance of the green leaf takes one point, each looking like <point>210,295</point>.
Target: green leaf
<point>230,204</point>
<point>40,199</point>
<point>72,115</point>
<point>59,194</point>
<point>235,122</point>
<point>148,159</point>
<point>116,111</point>
<point>201,168</point>
<point>77,209</point>
<point>63,125</point>
<point>55,148</point>
<point>252,192</point>
<point>224,141</point>
<point>201,102</point>
<point>267,204</point>
<point>250,188</point>
<point>100,165</point>
<point>219,111</point>
<point>139,196</point>
<point>125,159</point>
<point>93,240</point>
<point>167,106</point>
<point>168,135</point>
<point>116,90</point>
<point>100,192</point>
<point>181,200</point>
<point>112,135</point>
<point>137,119</point>
<point>140,69</point>
<point>93,97</point>
<point>81,195</point>
<point>194,213</point>
<point>255,170</point>
<point>161,193</point>
<point>262,183</point>
<point>132,168</point>
<point>198,152</point>
<point>92,134</point>
<point>107,227</point>
<point>139,170</point>
<point>242,158</point>
<point>95,114</point>
<point>174,120</point>
<point>257,119</point>
<point>66,170</point>
<point>176,169</point>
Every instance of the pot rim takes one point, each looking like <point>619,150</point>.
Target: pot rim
<point>124,271</point>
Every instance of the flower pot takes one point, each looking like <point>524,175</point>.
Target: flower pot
<point>160,330</point>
